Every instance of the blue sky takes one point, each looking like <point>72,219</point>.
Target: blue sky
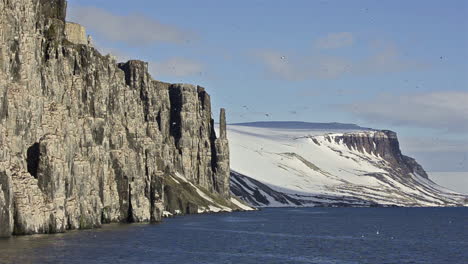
<point>399,65</point>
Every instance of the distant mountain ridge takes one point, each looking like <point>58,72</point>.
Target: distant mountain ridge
<point>302,125</point>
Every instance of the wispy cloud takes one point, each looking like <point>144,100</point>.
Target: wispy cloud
<point>445,111</point>
<point>134,29</point>
<point>176,67</point>
<point>335,40</point>
<point>308,65</point>
<point>171,67</point>
<point>141,31</point>
<point>386,59</point>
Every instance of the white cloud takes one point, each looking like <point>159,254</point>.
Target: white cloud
<point>276,63</point>
<point>302,68</point>
<point>335,40</point>
<point>445,111</point>
<point>386,59</point>
<point>134,29</point>
<point>137,29</point>
<point>172,67</point>
<point>176,67</point>
<point>306,66</point>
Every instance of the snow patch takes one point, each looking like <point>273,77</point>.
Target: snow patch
<point>166,214</point>
<point>241,205</point>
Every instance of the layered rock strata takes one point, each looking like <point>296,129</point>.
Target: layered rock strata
<point>383,143</point>
<point>85,140</point>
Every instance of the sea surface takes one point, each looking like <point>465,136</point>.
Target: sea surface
<point>288,235</point>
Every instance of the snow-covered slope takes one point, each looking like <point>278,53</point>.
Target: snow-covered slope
<point>276,165</point>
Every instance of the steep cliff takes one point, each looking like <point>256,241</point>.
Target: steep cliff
<point>86,141</point>
<point>284,166</point>
<point>382,143</point>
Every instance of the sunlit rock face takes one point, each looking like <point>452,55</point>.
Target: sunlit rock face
<point>75,33</point>
<point>85,140</point>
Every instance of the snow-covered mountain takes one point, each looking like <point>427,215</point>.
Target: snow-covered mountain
<point>313,164</point>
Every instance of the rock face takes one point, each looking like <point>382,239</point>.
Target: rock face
<point>86,141</point>
<point>384,144</point>
<point>75,33</point>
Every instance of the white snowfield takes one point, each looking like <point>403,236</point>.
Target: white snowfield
<point>305,167</point>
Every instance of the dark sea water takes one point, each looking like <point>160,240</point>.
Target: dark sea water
<point>310,235</point>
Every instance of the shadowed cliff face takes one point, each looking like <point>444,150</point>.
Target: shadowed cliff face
<point>53,8</point>
<point>384,144</point>
<point>86,141</point>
